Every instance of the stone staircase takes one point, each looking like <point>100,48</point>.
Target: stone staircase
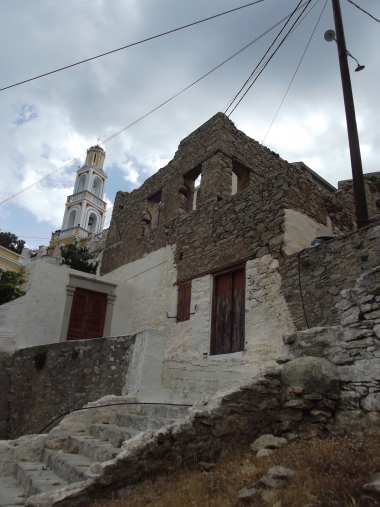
<point>69,465</point>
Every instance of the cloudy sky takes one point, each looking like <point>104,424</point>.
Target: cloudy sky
<point>48,122</point>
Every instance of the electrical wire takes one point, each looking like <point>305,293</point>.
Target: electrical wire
<point>149,113</point>
<point>294,75</point>
<point>131,45</point>
<point>370,15</point>
<point>267,51</point>
<point>225,108</point>
<point>268,60</point>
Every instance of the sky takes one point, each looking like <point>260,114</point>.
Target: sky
<point>48,122</point>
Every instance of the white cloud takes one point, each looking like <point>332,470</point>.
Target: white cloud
<point>48,122</point>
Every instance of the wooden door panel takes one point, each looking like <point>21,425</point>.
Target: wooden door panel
<point>77,324</point>
<point>96,315</point>
<point>87,315</point>
<point>184,299</point>
<point>228,313</point>
<point>237,342</point>
<point>223,325</point>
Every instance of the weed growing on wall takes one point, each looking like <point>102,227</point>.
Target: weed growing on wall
<point>39,358</point>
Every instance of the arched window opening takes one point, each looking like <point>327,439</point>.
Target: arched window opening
<point>72,219</point>
<point>92,223</point>
<point>96,186</point>
<point>81,183</point>
<point>94,160</point>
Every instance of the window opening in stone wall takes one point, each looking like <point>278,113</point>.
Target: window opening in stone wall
<point>240,178</point>
<point>154,209</point>
<point>227,333</point>
<point>183,303</point>
<point>193,181</point>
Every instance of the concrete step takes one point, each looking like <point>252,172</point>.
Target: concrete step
<point>36,478</point>
<point>10,492</point>
<point>164,411</point>
<point>112,433</point>
<point>93,448</point>
<point>141,422</point>
<point>71,467</point>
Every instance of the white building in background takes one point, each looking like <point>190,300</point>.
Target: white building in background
<point>85,210</point>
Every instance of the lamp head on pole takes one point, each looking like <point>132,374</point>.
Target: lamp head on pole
<point>329,35</point>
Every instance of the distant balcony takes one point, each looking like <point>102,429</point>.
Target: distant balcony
<point>89,196</point>
<point>77,232</point>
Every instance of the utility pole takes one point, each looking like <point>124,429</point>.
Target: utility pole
<point>361,210</point>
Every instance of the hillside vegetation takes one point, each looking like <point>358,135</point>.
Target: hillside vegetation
<point>330,472</point>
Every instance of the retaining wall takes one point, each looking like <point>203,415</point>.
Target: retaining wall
<point>74,374</point>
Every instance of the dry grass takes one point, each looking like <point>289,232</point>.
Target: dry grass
<point>331,471</point>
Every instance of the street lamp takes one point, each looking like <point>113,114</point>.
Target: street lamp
<point>361,210</point>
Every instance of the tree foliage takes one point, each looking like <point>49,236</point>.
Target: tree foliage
<point>11,241</point>
<point>78,258</point>
<point>10,283</point>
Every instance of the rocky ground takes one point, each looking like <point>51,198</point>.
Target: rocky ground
<point>339,471</point>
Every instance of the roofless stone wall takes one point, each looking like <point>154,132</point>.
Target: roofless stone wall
<point>312,280</point>
<point>224,228</point>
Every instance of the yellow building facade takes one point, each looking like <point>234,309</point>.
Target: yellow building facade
<point>10,261</point>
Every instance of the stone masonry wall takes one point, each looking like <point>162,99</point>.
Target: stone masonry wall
<point>249,224</point>
<point>74,374</point>
<point>223,229</point>
<point>325,270</point>
<point>353,349</point>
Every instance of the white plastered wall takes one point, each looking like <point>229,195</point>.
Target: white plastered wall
<point>267,315</point>
<point>188,369</point>
<point>300,230</point>
<point>37,318</point>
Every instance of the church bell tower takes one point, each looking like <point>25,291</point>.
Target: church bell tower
<point>85,209</point>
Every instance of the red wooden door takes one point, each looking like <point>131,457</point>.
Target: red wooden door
<point>227,334</point>
<point>87,315</point>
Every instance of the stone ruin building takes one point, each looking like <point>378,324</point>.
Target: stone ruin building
<point>207,284</point>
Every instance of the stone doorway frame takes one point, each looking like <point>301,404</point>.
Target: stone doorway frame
<point>80,281</point>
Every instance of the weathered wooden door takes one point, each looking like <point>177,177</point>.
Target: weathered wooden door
<point>87,315</point>
<point>228,312</point>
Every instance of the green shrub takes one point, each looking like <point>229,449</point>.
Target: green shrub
<point>10,283</point>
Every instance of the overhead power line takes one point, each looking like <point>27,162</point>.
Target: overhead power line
<point>151,111</point>
<point>294,75</point>
<point>131,45</point>
<point>269,59</point>
<point>370,15</point>
<point>267,51</point>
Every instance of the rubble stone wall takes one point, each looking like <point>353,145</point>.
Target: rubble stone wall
<point>74,373</point>
<point>325,270</point>
<point>353,349</point>
<point>223,228</point>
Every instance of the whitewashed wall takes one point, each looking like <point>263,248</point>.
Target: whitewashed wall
<point>36,318</point>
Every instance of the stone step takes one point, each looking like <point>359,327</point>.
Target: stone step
<point>112,433</point>
<point>141,422</point>
<point>10,492</point>
<point>70,466</point>
<point>164,411</point>
<point>36,478</point>
<point>93,448</point>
